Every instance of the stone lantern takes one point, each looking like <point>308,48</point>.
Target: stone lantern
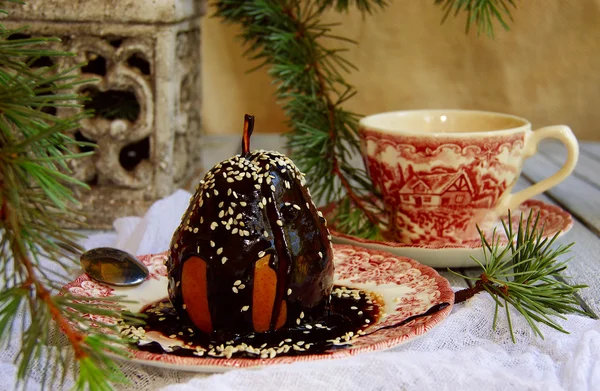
<point>143,75</point>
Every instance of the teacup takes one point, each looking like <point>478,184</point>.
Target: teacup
<point>442,173</point>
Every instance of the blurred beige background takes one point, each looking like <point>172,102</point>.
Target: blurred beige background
<point>547,68</point>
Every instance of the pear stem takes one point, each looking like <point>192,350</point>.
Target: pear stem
<point>248,129</point>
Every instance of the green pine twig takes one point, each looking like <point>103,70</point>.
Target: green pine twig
<point>36,194</point>
<point>481,13</point>
<point>290,38</point>
<point>526,274</point>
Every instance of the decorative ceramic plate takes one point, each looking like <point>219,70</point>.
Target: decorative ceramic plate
<point>405,289</point>
<point>442,255</point>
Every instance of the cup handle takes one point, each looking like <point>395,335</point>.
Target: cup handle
<point>559,132</point>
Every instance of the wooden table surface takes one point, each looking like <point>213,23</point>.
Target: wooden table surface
<point>579,194</point>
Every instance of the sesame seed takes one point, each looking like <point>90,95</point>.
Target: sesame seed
<point>224,260</point>
<point>243,203</point>
<point>280,223</point>
<point>221,204</point>
<point>234,289</point>
<point>221,214</point>
<point>273,188</point>
<point>264,201</point>
<point>320,254</point>
<point>234,231</point>
<point>242,286</point>
<point>246,233</point>
<point>245,308</point>
<point>196,230</point>
<point>220,250</point>
<point>298,321</point>
<point>230,180</point>
<point>261,254</point>
<point>367,321</point>
<point>212,244</point>
<point>214,225</point>
<point>296,207</point>
<point>198,249</point>
<point>302,315</point>
<point>289,291</point>
<point>230,210</point>
<point>237,282</point>
<point>216,192</point>
<point>354,307</point>
<point>239,216</point>
<point>266,234</point>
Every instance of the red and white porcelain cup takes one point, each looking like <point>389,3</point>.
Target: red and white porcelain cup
<point>443,172</point>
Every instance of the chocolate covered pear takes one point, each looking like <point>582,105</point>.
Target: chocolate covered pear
<point>252,252</point>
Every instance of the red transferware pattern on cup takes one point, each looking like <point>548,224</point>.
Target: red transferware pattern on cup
<point>441,189</point>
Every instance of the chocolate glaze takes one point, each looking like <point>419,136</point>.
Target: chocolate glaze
<point>347,314</point>
<point>227,218</point>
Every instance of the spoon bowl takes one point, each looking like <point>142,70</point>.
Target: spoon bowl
<point>113,266</point>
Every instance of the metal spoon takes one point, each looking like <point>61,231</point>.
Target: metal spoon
<point>113,266</point>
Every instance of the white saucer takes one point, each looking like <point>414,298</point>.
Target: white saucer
<point>439,255</point>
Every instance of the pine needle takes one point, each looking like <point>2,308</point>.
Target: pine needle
<point>526,274</point>
<point>36,193</point>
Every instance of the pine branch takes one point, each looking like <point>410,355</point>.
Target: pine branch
<point>482,13</point>
<point>287,36</point>
<point>36,194</point>
<point>527,275</point>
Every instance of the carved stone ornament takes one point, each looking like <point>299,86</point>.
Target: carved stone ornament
<point>143,75</point>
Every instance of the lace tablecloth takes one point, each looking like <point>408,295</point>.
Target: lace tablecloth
<point>464,352</point>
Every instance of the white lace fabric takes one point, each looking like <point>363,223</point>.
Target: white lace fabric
<point>463,352</point>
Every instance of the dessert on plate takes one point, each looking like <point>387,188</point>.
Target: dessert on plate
<point>252,253</point>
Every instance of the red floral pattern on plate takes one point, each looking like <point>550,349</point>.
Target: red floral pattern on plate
<point>89,288</point>
<point>156,266</point>
<point>410,289</point>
